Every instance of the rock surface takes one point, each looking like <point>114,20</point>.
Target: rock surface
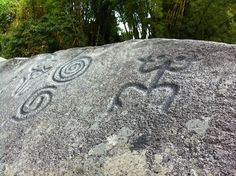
<point>2,59</point>
<point>142,107</point>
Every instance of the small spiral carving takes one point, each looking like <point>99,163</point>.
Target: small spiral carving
<point>39,100</point>
<point>72,69</point>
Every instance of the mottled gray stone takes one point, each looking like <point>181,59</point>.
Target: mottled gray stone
<point>142,107</point>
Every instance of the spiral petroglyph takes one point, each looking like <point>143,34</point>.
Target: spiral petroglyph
<point>39,100</point>
<point>72,69</point>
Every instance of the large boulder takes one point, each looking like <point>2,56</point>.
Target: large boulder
<point>141,107</point>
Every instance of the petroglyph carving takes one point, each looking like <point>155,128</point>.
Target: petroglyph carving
<point>39,100</point>
<point>27,81</point>
<point>72,69</point>
<point>179,63</point>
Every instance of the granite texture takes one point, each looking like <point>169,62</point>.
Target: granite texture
<point>142,107</point>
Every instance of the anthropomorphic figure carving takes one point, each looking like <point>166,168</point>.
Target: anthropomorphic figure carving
<point>179,63</point>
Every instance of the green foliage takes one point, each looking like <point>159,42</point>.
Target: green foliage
<point>29,27</point>
<point>45,35</point>
<point>6,15</point>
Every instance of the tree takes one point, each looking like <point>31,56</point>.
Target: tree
<point>29,27</point>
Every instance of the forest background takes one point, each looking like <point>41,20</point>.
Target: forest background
<point>29,27</point>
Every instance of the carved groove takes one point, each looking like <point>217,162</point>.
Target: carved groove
<point>72,69</point>
<point>22,87</point>
<point>117,101</point>
<point>143,67</point>
<point>26,81</point>
<point>170,98</point>
<point>38,101</point>
<point>1,90</point>
<point>182,61</point>
<point>179,63</point>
